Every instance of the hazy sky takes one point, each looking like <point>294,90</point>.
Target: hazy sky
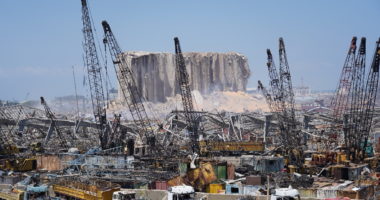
<point>40,40</point>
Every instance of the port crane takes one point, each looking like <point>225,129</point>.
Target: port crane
<point>187,101</point>
<point>128,87</point>
<point>94,73</point>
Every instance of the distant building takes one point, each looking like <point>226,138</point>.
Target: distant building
<point>302,91</point>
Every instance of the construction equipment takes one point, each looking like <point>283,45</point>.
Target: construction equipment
<point>274,82</point>
<point>281,102</point>
<point>94,76</point>
<point>354,101</point>
<point>267,95</point>
<point>370,98</point>
<point>340,101</point>
<point>128,87</point>
<point>352,139</point>
<point>187,102</point>
<point>53,126</point>
<point>287,95</point>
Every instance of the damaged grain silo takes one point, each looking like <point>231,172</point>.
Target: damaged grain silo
<point>155,73</point>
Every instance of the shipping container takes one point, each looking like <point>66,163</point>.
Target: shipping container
<point>214,188</point>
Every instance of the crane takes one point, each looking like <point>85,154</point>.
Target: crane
<point>49,114</point>
<point>267,95</point>
<point>187,101</point>
<point>94,75</point>
<point>287,99</point>
<point>128,86</point>
<point>359,101</point>
<point>340,101</point>
<point>369,100</point>
<point>274,81</point>
<point>282,103</point>
<point>287,94</point>
<point>352,139</point>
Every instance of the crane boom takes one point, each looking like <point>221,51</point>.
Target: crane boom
<point>340,101</point>
<point>370,96</point>
<point>357,95</point>
<point>267,96</point>
<point>274,82</point>
<point>94,74</point>
<point>282,103</point>
<point>287,94</point>
<point>128,86</point>
<point>187,101</point>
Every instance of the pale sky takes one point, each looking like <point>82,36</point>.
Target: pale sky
<point>41,39</point>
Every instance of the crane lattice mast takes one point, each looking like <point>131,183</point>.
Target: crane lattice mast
<point>340,101</point>
<point>128,86</point>
<point>187,101</point>
<point>274,82</point>
<point>267,96</point>
<point>94,75</point>
<point>370,98</point>
<point>357,95</point>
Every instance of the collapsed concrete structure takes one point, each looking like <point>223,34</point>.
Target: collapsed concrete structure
<point>155,73</point>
